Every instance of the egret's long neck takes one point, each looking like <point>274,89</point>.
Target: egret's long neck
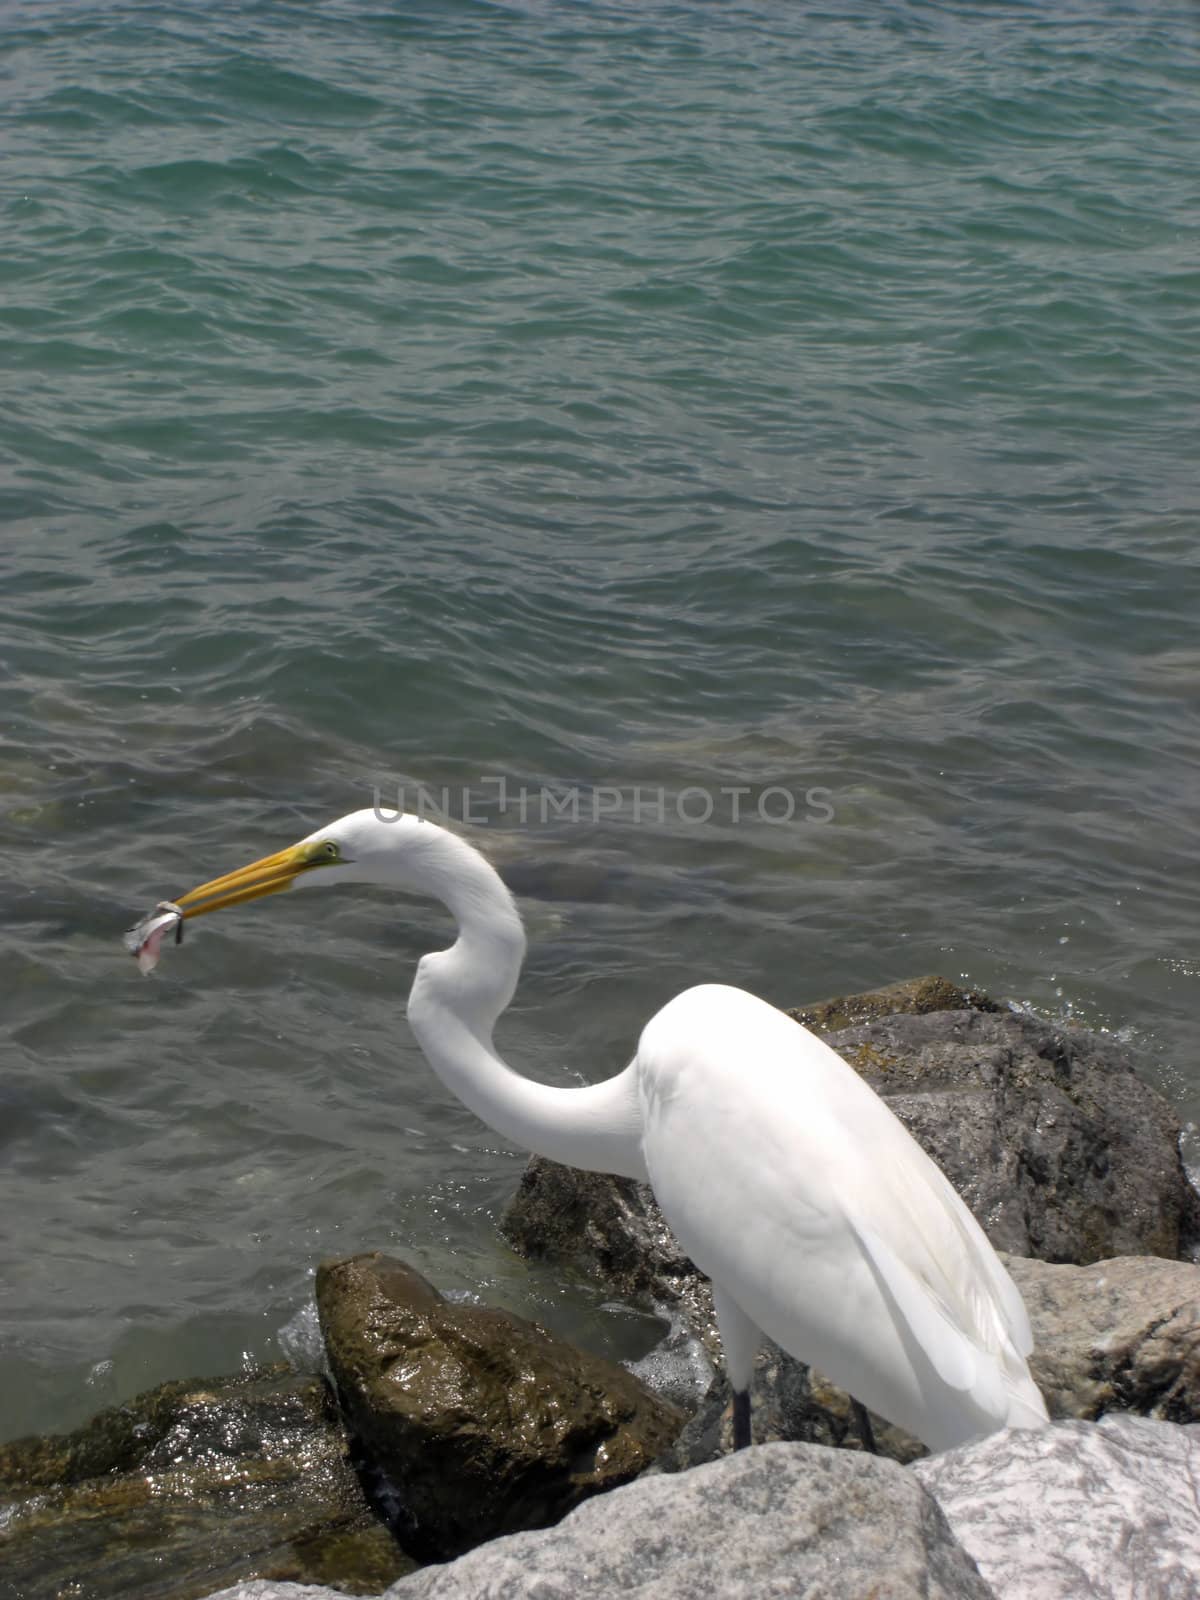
<point>455,1001</point>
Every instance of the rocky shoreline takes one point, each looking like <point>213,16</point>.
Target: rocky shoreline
<point>468,1437</point>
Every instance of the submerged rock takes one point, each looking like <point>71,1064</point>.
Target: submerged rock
<point>1119,1335</point>
<point>188,1487</point>
<point>613,1229</point>
<point>1080,1511</point>
<point>482,1422</point>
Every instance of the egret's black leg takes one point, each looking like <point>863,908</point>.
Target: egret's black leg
<point>741,1418</point>
<point>865,1431</point>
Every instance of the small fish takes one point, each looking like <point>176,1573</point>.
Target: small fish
<point>145,940</point>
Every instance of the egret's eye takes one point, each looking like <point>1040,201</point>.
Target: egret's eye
<point>331,850</point>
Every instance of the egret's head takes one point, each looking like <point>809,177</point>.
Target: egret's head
<point>364,847</point>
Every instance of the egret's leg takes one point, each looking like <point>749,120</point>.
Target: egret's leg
<point>865,1431</point>
<point>740,1339</point>
<point>741,1418</point>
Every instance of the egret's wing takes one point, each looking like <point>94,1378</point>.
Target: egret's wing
<point>927,1319</point>
<point>761,1137</point>
<point>921,1237</point>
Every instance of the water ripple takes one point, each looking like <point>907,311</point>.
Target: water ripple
<point>635,395</point>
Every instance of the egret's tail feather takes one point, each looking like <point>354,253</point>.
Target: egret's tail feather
<point>1026,1408</point>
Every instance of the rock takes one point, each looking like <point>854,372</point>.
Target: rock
<point>257,1589</point>
<point>190,1486</point>
<point>1058,1147</point>
<point>917,996</point>
<point>1080,1511</point>
<point>611,1227</point>
<point>777,1520</point>
<point>483,1423</point>
<point>791,1403</point>
<point>1119,1335</point>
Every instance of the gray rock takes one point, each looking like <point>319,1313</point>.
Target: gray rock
<point>779,1520</point>
<point>791,1403</point>
<point>1048,1133</point>
<point>1080,1511</point>
<point>1119,1335</point>
<point>260,1589</point>
<point>187,1486</point>
<point>481,1422</point>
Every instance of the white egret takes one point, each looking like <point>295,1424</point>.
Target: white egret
<point>789,1182</point>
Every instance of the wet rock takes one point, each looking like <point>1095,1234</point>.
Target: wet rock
<point>186,1488</point>
<point>613,1229</point>
<point>778,1520</point>
<point>483,1423</point>
<point>1119,1335</point>
<point>1080,1511</point>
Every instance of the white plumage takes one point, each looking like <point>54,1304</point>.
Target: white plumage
<point>796,1189</point>
<point>818,1217</point>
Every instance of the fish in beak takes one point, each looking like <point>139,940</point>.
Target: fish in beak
<point>268,876</point>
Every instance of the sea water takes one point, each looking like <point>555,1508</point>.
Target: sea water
<point>741,459</point>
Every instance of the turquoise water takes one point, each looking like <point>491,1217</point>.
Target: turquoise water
<point>611,399</point>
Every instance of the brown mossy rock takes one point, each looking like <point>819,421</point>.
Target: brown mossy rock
<point>188,1488</point>
<point>913,997</point>
<point>1120,1335</point>
<point>484,1423</point>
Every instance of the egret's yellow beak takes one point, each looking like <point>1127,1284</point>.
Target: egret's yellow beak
<point>267,876</point>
